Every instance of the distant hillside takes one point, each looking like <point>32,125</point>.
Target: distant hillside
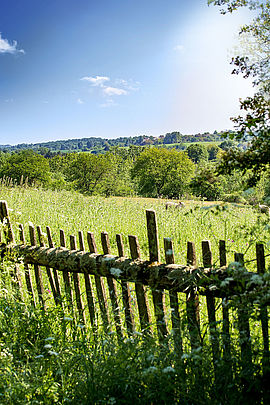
<point>97,145</point>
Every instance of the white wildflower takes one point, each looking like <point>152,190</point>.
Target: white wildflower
<point>40,356</point>
<point>49,339</point>
<point>52,353</point>
<point>168,369</point>
<point>66,318</point>
<point>47,346</point>
<point>150,370</point>
<point>115,272</point>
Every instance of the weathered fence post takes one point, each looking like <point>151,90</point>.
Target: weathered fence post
<point>76,283</point>
<point>103,305</point>
<point>37,270</point>
<point>112,286</point>
<point>88,289</point>
<point>154,256</point>
<point>126,296</point>
<point>143,308</point>
<point>265,333</point>
<point>210,302</point>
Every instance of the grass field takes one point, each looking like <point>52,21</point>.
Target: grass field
<point>240,226</point>
<point>49,357</point>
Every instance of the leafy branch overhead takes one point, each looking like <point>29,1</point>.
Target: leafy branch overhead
<point>253,125</point>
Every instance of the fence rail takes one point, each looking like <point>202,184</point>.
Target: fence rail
<point>127,284</point>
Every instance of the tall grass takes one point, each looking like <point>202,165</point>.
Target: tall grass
<point>50,357</point>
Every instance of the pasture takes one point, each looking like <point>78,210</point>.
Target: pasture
<point>49,357</point>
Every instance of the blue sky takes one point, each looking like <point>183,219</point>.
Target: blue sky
<point>82,68</point>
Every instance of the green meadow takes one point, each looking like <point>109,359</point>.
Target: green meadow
<point>50,357</point>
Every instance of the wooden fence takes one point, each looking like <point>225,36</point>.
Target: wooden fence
<point>88,284</point>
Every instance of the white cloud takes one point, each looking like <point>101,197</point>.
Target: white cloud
<point>114,91</point>
<point>6,47</point>
<point>179,48</point>
<point>79,101</point>
<point>96,81</point>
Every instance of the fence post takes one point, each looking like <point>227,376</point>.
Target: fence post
<point>174,302</point>
<point>112,286</point>
<point>264,322</point>
<point>99,285</point>
<point>129,316</point>
<point>158,296</point>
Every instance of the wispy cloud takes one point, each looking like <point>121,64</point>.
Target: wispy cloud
<point>114,91</point>
<point>109,88</point>
<point>7,47</point>
<point>96,81</point>
<point>79,101</point>
<point>179,48</point>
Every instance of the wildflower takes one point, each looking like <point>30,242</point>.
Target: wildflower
<point>52,353</point>
<point>115,272</point>
<point>49,338</point>
<point>49,291</point>
<point>150,370</point>
<point>48,346</point>
<point>168,369</point>
<point>66,318</point>
<point>40,356</point>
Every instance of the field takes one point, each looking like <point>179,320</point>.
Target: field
<point>51,358</point>
<point>240,226</point>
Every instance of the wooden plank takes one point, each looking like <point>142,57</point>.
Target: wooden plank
<point>76,283</point>
<point>27,273</point>
<point>143,307</point>
<point>55,274</point>
<point>112,286</point>
<point>126,296</point>
<point>174,302</point>
<point>245,341</point>
<point>88,289</point>
<point>226,338</point>
<point>66,276</point>
<point>48,270</point>
<point>192,303</point>
<point>210,303</point>
<point>152,233</point>
<point>260,258</point>
<point>154,256</point>
<point>37,270</point>
<point>4,216</point>
<point>102,300</point>
<point>225,312</point>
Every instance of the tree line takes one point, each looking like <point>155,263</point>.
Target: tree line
<point>148,172</point>
<point>98,145</point>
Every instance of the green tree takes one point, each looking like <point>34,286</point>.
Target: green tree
<point>254,126</point>
<point>213,151</point>
<point>27,163</point>
<point>162,172</point>
<point>197,152</point>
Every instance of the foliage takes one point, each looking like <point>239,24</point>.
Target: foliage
<point>197,152</point>
<point>254,125</point>
<point>26,163</point>
<point>162,172</point>
<point>206,184</point>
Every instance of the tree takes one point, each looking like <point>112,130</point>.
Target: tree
<point>27,163</point>
<point>254,126</point>
<point>197,152</point>
<point>213,151</point>
<point>162,172</point>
